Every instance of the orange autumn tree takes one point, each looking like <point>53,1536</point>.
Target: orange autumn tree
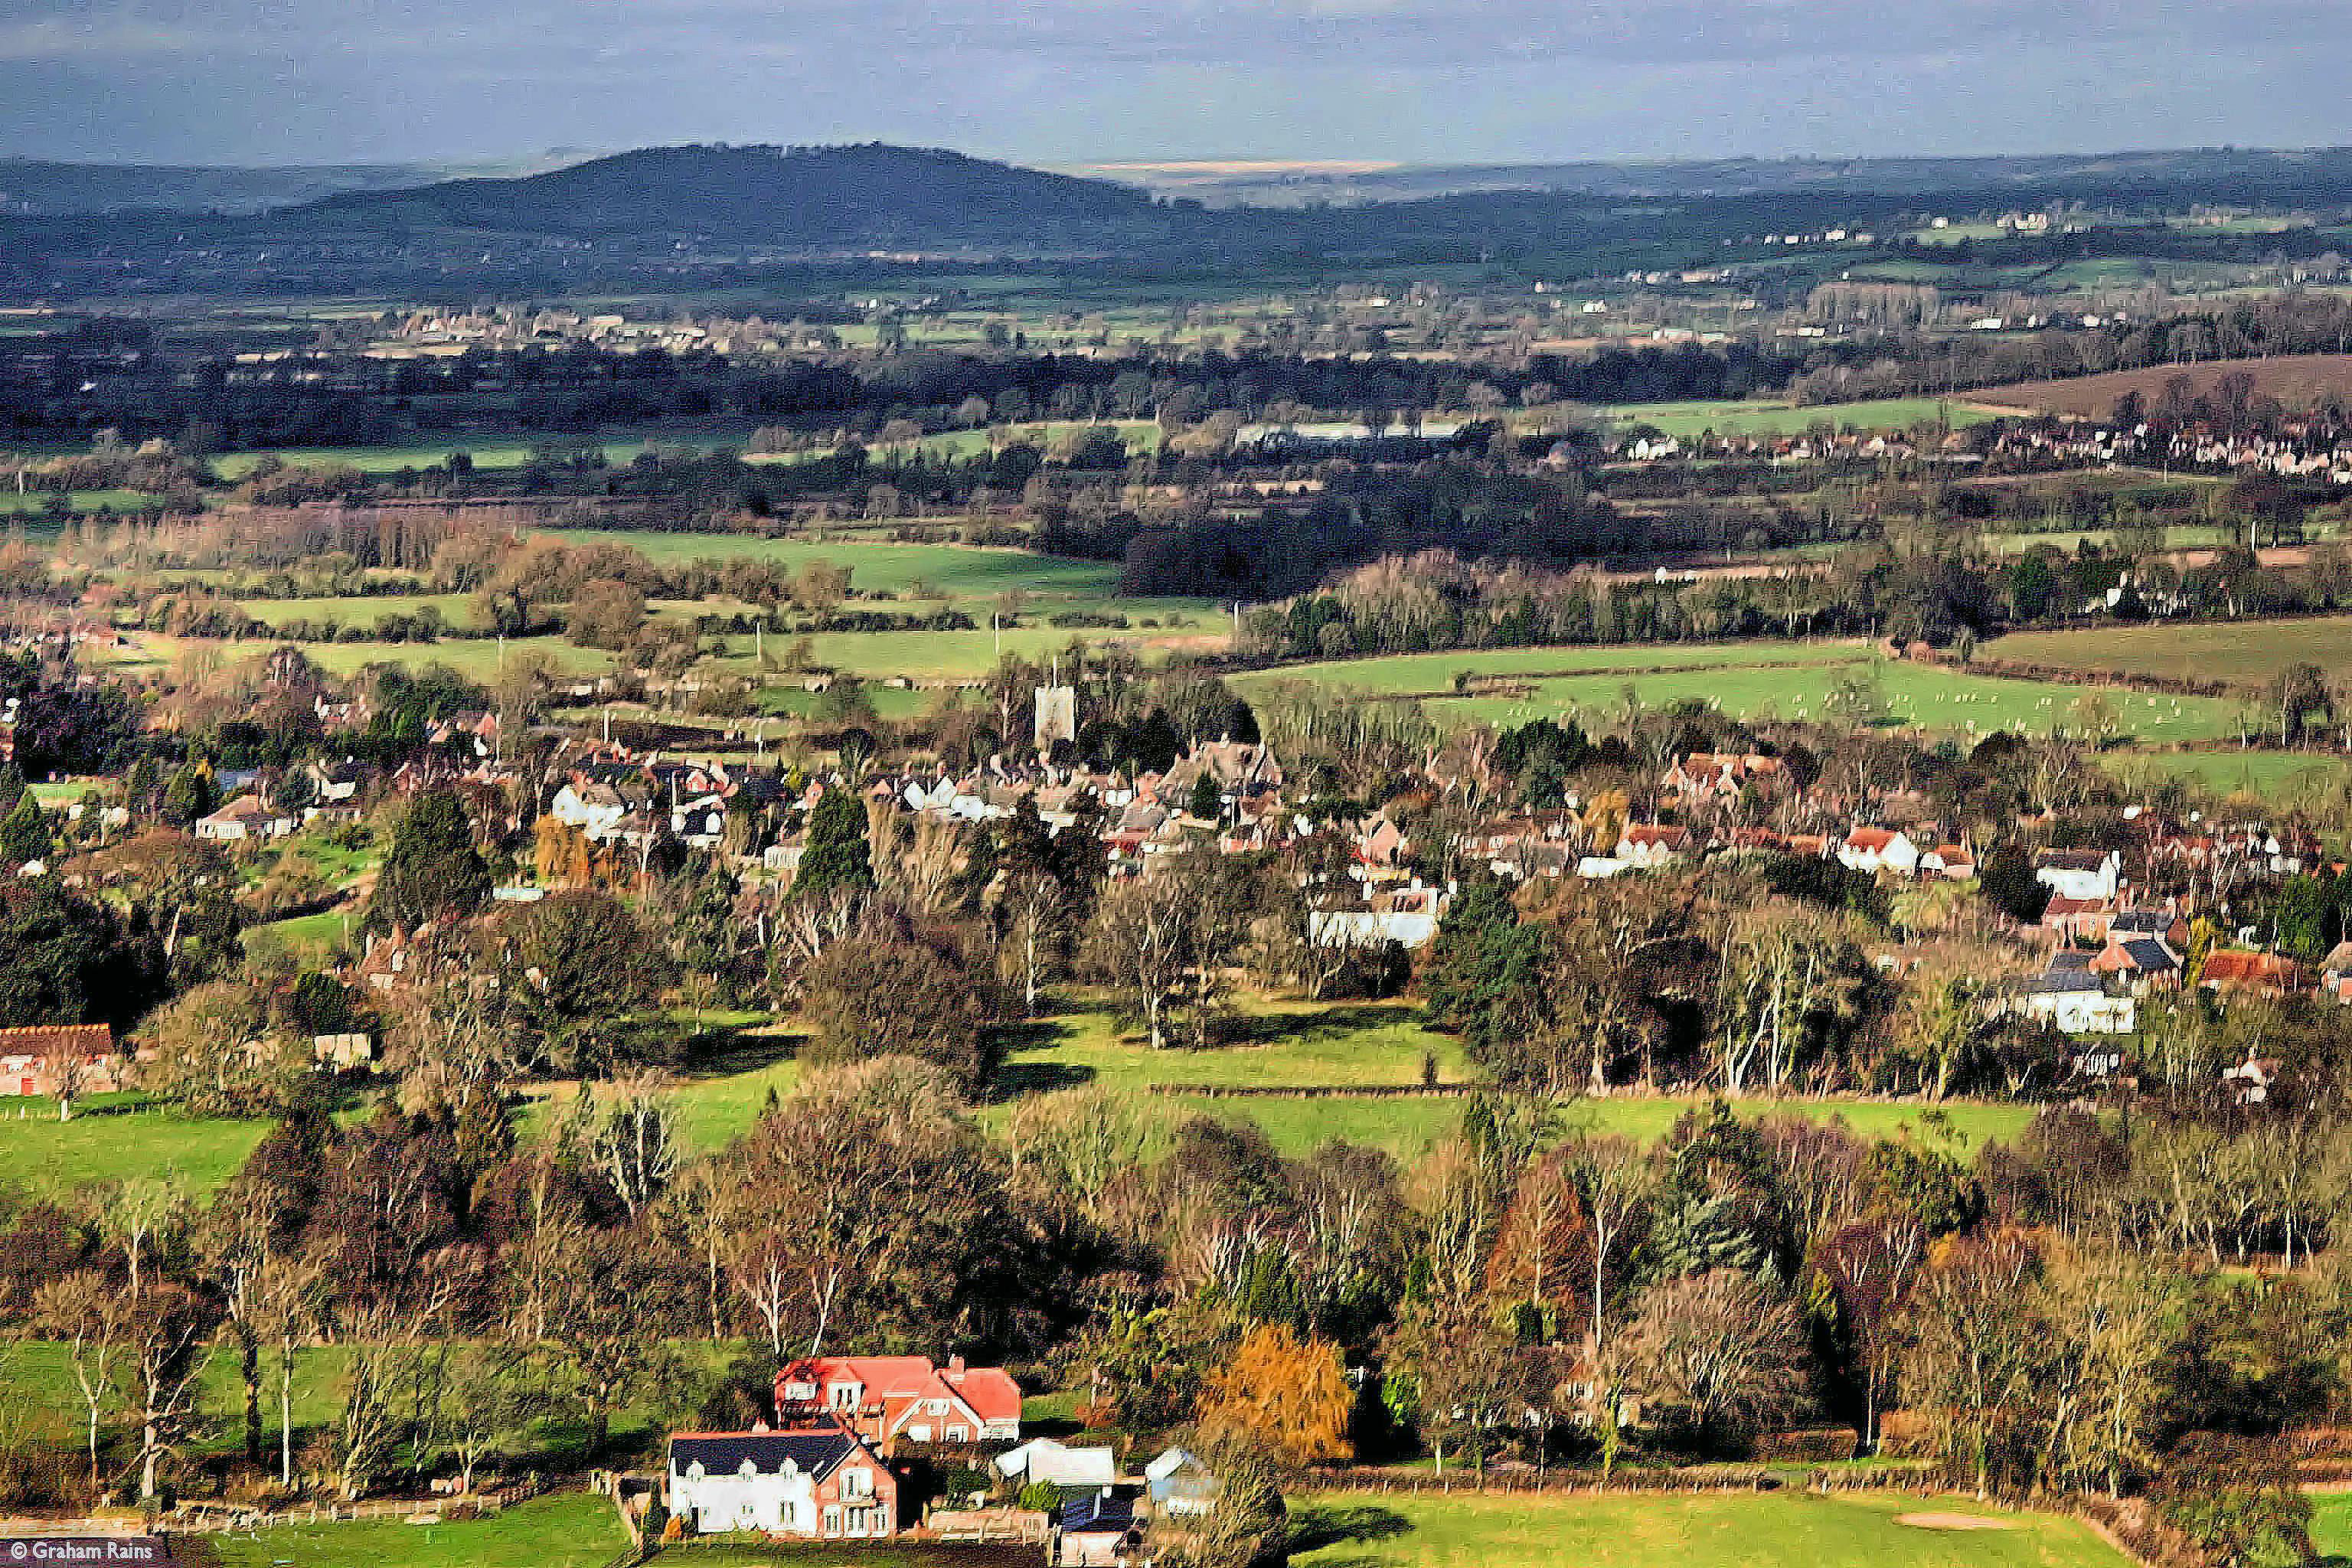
<point>1287,1394</point>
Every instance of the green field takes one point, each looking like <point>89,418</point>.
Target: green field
<point>117,1142</point>
<point>313,937</point>
<point>2247,653</point>
<point>33,503</point>
<point>1727,1530</point>
<point>1744,418</point>
<point>1434,673</point>
<point>477,659</point>
<point>363,609</point>
<point>563,1530</point>
<point>957,571</point>
<point>1756,681</point>
<point>487,451</point>
<point>2280,779</point>
<point>2331,1524</point>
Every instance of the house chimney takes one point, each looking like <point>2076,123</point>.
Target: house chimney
<point>955,1365</point>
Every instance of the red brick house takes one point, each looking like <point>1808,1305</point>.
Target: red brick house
<point>885,1399</point>
<point>821,1482</point>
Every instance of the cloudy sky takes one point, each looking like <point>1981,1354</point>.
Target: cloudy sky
<point>1078,80</point>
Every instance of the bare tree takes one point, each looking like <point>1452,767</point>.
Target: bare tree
<point>1718,1350</point>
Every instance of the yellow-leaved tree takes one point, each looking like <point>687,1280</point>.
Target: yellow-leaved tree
<point>1289,1394</point>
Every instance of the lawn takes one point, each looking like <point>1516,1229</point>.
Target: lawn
<point>1724,1530</point>
<point>563,1530</point>
<point>2245,653</point>
<point>313,937</point>
<point>118,1142</point>
<point>1742,419</point>
<point>1285,1044</point>
<point>2331,1523</point>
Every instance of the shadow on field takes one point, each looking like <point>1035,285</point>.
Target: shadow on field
<point>1336,1524</point>
<point>1014,1078</point>
<point>1340,1019</point>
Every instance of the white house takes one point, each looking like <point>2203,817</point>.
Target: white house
<point>241,818</point>
<point>2086,874</point>
<point>595,809</point>
<point>2076,999</point>
<point>1876,849</point>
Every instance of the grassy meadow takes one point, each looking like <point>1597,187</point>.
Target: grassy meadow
<point>1727,1530</point>
<point>563,1529</point>
<point>2245,653</point>
<point>1734,417</point>
<point>118,1138</point>
<point>1762,680</point>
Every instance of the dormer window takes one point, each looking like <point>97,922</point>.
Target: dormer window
<point>801,1393</point>
<point>748,1469</point>
<point>844,1395</point>
<point>694,1472</point>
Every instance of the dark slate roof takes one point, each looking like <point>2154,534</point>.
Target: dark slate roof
<point>2058,981</point>
<point>2149,955</point>
<point>2147,923</point>
<point>723,1453</point>
<point>1095,1511</point>
<point>2069,960</point>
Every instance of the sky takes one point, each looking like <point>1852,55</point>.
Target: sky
<point>1068,82</point>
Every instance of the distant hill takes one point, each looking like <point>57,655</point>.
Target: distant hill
<point>802,196</point>
<point>31,188</point>
<point>1246,182</point>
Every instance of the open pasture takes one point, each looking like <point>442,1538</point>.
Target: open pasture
<point>1720,1530</point>
<point>563,1530</point>
<point>894,570</point>
<point>1730,417</point>
<point>477,659</point>
<point>118,1138</point>
<point>2297,381</point>
<point>363,609</point>
<point>2278,779</point>
<point>1760,680</point>
<point>1433,674</point>
<point>2245,653</point>
<point>487,452</point>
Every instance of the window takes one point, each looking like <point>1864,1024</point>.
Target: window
<point>800,1393</point>
<point>856,1483</point>
<point>844,1395</point>
<point>833,1519</point>
<point>958,1434</point>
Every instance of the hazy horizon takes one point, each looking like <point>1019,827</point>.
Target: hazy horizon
<point>277,82</point>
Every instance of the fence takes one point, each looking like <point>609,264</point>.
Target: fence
<point>217,1518</point>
